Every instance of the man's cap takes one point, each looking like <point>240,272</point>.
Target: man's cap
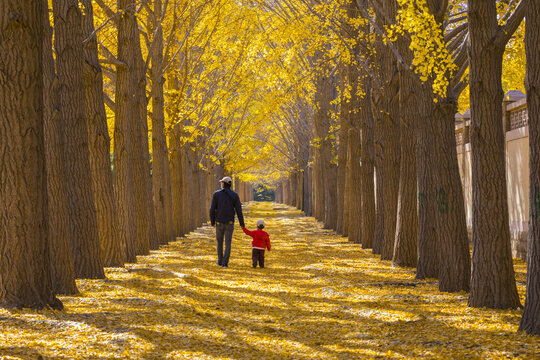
<point>260,222</point>
<point>226,179</point>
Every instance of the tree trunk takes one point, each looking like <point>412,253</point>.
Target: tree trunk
<point>390,174</point>
<point>318,186</point>
<point>84,232</point>
<point>177,181</point>
<point>160,165</point>
<point>367,174</point>
<point>124,190</point>
<point>112,251</point>
<point>492,283</point>
<point>428,254</point>
<point>195,189</point>
<point>307,192</point>
<point>378,237</point>
<point>285,187</point>
<point>453,241</point>
<point>327,177</point>
<point>354,182</point>
<point>350,209</point>
<point>203,179</point>
<point>406,246</point>
<point>341,219</point>
<point>144,199</point>
<point>25,278</point>
<point>330,195</point>
<point>406,240</point>
<point>292,188</point>
<point>299,190</point>
<point>387,105</point>
<point>61,258</point>
<point>188,192</point>
<point>212,179</point>
<point>530,321</point>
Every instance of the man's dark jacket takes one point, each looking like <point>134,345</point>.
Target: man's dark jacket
<point>224,203</point>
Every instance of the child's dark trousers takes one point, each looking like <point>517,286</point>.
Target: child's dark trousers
<point>257,256</point>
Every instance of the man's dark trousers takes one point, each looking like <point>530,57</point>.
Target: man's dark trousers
<point>224,231</point>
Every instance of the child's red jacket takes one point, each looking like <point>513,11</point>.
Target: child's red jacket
<point>261,239</point>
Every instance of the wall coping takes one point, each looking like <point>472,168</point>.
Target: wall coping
<point>516,104</point>
<point>517,133</point>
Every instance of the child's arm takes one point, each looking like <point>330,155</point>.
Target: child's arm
<point>250,233</point>
<point>268,243</point>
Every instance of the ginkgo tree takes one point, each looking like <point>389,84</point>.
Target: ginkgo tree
<point>321,99</point>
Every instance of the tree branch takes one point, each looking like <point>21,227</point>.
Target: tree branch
<point>505,32</point>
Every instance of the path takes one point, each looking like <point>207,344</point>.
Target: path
<point>319,297</point>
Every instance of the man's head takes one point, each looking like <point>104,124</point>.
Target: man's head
<point>226,182</point>
<point>260,224</point>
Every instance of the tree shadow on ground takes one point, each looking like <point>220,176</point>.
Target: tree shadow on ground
<point>318,299</point>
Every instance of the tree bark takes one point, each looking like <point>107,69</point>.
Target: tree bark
<point>378,237</point>
<point>318,186</point>
<point>126,84</point>
<point>307,193</point>
<point>327,177</point>
<point>330,188</point>
<point>112,251</point>
<point>453,241</point>
<point>203,179</point>
<point>25,278</point>
<point>406,240</point>
<point>299,190</point>
<point>391,150</point>
<point>161,178</point>
<point>195,188</point>
<point>530,321</point>
<point>354,182</point>
<point>292,188</point>
<point>62,268</point>
<point>84,233</point>
<point>428,254</point>
<point>341,219</point>
<point>144,199</point>
<point>188,192</point>
<point>386,104</point>
<point>285,191</point>
<point>367,167</point>
<point>492,283</point>
<point>177,181</point>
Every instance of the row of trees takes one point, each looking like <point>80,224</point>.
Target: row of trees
<point>383,168</point>
<point>73,201</point>
<point>351,102</point>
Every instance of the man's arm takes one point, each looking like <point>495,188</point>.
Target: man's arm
<point>238,208</point>
<point>213,211</point>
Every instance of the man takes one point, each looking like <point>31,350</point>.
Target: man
<point>224,203</point>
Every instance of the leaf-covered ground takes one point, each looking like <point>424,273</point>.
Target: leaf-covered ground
<point>319,298</point>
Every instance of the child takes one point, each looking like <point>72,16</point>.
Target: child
<point>261,241</point>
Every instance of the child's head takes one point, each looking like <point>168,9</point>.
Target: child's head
<point>260,224</point>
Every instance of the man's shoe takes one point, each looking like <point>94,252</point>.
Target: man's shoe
<point>217,262</point>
